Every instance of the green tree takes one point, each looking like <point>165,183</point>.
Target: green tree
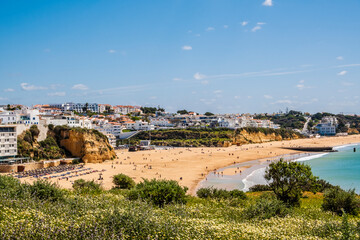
<point>288,180</point>
<point>183,111</point>
<point>34,131</point>
<point>123,181</point>
<point>209,114</point>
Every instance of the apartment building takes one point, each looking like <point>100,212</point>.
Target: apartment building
<point>78,107</point>
<point>8,141</point>
<point>326,129</point>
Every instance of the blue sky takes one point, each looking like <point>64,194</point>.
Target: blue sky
<point>224,56</point>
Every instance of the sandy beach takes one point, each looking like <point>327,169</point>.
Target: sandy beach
<point>189,166</point>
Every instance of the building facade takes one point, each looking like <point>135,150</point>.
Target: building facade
<point>8,141</point>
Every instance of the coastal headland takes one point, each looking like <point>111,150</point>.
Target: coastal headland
<point>189,166</point>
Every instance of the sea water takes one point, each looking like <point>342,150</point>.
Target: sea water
<point>338,168</point>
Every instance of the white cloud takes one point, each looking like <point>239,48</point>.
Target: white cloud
<point>186,48</point>
<point>218,91</point>
<point>261,23</point>
<point>268,97</point>
<point>347,84</point>
<point>285,101</point>
<point>199,76</point>
<point>210,29</point>
<point>204,82</point>
<point>349,65</point>
<point>237,97</point>
<point>256,28</point>
<point>300,86</point>
<point>27,87</point>
<point>342,73</point>
<point>112,51</point>
<point>197,35</point>
<point>153,97</point>
<point>3,99</point>
<point>177,79</point>
<point>268,3</point>
<point>54,86</point>
<point>244,23</point>
<point>340,58</point>
<point>56,94</point>
<point>208,101</point>
<point>226,26</point>
<point>9,90</point>
<point>80,87</point>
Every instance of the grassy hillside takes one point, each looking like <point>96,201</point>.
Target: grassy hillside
<point>202,137</point>
<point>42,211</point>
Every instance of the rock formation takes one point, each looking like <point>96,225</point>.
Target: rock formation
<point>89,145</point>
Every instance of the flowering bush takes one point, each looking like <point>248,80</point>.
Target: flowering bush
<point>108,215</point>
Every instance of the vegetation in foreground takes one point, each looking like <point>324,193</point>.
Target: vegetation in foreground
<point>160,209</point>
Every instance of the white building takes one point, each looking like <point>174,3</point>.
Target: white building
<point>161,122</point>
<point>326,129</point>
<point>78,107</point>
<point>112,128</point>
<point>71,121</point>
<point>7,117</point>
<point>139,125</point>
<point>127,109</point>
<point>28,116</point>
<point>105,107</point>
<point>8,141</point>
<point>112,140</point>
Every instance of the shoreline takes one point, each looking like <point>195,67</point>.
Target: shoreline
<point>189,166</point>
<point>256,166</point>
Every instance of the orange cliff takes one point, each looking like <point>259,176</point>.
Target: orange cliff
<point>90,146</point>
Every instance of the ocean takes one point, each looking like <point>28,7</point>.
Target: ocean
<point>339,168</point>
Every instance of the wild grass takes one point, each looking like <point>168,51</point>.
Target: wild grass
<point>111,215</point>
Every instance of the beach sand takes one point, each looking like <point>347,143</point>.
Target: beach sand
<point>189,166</point>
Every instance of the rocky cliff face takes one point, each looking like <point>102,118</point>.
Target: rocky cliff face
<point>244,137</point>
<point>88,145</point>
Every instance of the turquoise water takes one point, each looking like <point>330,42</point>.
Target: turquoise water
<point>339,168</point>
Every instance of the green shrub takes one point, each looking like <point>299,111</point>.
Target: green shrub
<point>34,131</point>
<point>45,190</point>
<point>265,207</point>
<point>338,201</point>
<point>260,188</point>
<point>159,192</point>
<point>288,179</point>
<point>204,192</point>
<point>83,186</point>
<point>76,161</point>
<point>220,193</point>
<point>11,187</point>
<point>123,181</point>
